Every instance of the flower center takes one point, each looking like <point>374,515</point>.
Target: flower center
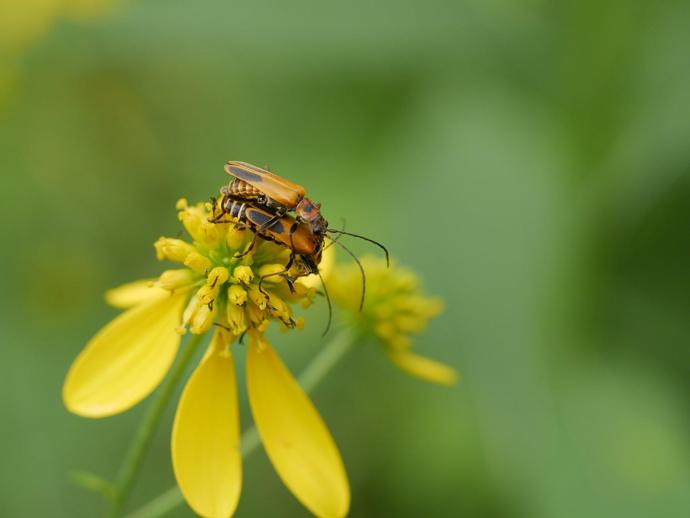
<point>235,280</point>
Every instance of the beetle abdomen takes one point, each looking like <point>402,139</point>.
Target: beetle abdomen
<point>242,189</point>
<point>236,209</point>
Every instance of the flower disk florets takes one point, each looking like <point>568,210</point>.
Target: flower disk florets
<point>224,278</point>
<point>395,306</point>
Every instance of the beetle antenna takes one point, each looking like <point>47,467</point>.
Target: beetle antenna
<point>330,308</point>
<point>361,269</point>
<point>385,250</point>
<point>342,229</point>
<point>336,238</point>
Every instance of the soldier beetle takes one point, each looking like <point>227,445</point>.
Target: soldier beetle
<point>283,230</point>
<point>261,200</point>
<point>275,193</point>
<point>305,247</point>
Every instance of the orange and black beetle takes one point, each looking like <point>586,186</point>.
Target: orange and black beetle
<point>283,230</point>
<point>273,192</point>
<point>261,200</point>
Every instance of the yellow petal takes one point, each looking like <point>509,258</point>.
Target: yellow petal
<point>424,368</point>
<point>206,436</point>
<point>295,437</point>
<point>133,293</point>
<point>126,359</point>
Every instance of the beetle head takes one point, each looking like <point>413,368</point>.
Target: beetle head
<point>308,264</point>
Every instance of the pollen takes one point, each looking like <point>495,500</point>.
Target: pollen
<point>224,279</point>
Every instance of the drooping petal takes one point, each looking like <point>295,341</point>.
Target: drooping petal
<point>133,293</point>
<point>424,368</point>
<point>125,360</point>
<point>206,436</point>
<point>295,437</point>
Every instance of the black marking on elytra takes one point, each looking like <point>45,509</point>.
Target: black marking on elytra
<point>277,227</point>
<point>260,219</point>
<point>245,175</point>
<point>257,217</point>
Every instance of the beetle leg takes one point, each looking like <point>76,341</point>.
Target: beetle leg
<point>282,273</point>
<point>250,248</point>
<point>258,231</point>
<point>290,322</point>
<point>290,282</point>
<point>217,219</point>
<point>287,278</point>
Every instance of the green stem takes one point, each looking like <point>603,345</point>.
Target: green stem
<point>135,455</point>
<point>310,377</point>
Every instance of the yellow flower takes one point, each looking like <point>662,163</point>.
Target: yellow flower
<point>395,308</point>
<point>125,361</point>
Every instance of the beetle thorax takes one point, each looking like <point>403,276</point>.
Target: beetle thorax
<point>309,212</point>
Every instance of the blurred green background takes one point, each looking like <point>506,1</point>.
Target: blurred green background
<point>530,159</point>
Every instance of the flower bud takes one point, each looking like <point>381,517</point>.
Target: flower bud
<point>203,319</point>
<point>237,295</point>
<point>257,297</point>
<point>173,249</point>
<point>243,274</point>
<point>255,314</point>
<point>218,276</point>
<point>199,263</point>
<point>236,319</point>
